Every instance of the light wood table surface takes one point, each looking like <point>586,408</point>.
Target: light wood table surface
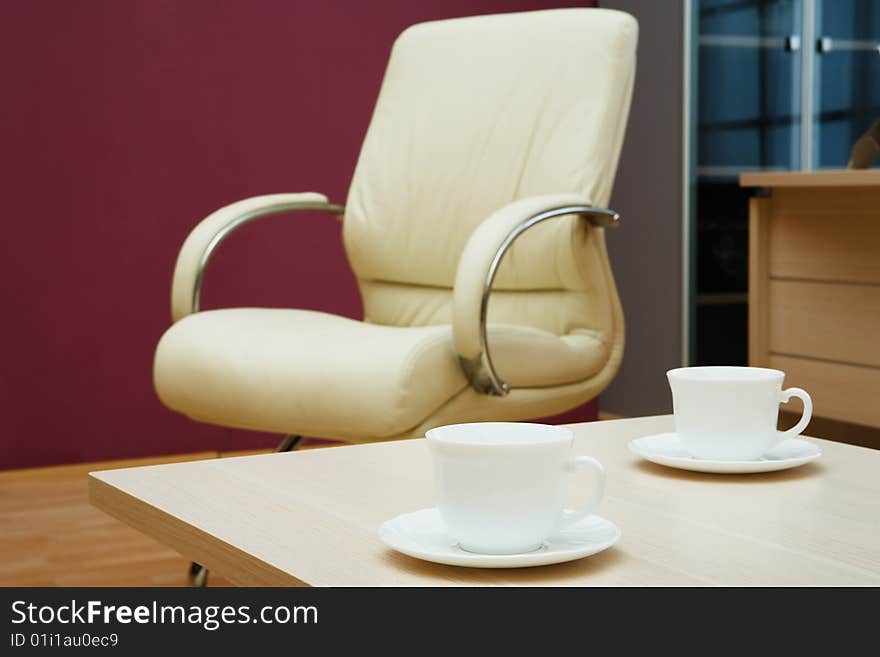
<point>312,517</point>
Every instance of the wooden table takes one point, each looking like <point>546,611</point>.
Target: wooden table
<point>311,517</point>
<point>814,286</point>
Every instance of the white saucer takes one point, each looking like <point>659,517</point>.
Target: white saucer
<point>666,449</point>
<point>421,534</point>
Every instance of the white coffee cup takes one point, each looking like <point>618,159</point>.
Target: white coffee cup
<point>501,485</point>
<point>730,413</point>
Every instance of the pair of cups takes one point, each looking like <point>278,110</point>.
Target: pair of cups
<point>501,485</point>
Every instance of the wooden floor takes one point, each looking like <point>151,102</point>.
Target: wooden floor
<point>51,536</point>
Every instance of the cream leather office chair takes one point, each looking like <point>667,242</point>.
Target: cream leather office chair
<point>487,130</point>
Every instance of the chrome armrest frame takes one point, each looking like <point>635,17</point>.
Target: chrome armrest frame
<point>479,370</point>
<point>240,221</point>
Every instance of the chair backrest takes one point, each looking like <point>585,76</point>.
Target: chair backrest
<point>475,113</point>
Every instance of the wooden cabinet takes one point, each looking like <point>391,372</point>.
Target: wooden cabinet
<point>814,286</point>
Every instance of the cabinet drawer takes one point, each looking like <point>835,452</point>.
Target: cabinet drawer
<point>830,234</point>
<point>847,393</point>
<point>831,321</point>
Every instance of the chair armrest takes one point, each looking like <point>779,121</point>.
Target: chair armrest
<point>204,239</point>
<point>477,268</point>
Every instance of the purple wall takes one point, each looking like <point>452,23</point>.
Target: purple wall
<point>123,123</point>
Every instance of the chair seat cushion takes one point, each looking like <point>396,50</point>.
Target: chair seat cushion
<point>311,373</point>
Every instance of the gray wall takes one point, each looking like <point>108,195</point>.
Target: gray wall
<point>646,251</point>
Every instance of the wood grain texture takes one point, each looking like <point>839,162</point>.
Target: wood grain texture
<point>814,286</point>
<point>312,517</point>
<point>847,393</point>
<point>836,430</point>
<point>825,234</point>
<point>81,470</point>
<point>51,536</point>
<point>822,178</point>
<point>828,321</point>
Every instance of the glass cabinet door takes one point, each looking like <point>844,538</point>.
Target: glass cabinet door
<point>748,95</point>
<point>847,77</point>
<point>759,66</point>
<point>748,89</point>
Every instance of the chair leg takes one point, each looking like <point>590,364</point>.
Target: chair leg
<point>198,574</point>
<point>289,443</point>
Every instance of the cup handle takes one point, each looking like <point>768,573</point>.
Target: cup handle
<point>804,396</point>
<point>569,517</point>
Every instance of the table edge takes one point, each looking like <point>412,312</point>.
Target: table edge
<point>242,568</point>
